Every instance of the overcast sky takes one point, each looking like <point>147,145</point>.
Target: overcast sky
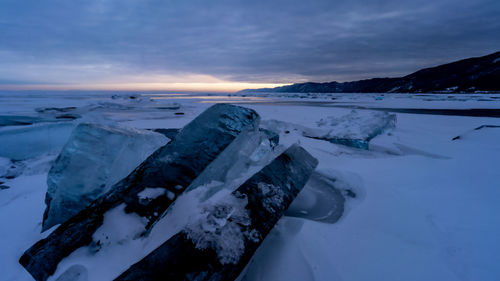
<point>147,41</point>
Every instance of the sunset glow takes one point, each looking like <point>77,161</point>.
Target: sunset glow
<point>225,87</point>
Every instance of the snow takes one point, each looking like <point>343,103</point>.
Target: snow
<point>354,129</point>
<point>150,193</point>
<point>75,273</point>
<point>219,228</point>
<point>4,166</point>
<point>357,125</point>
<point>425,208</point>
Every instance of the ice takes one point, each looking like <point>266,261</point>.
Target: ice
<point>249,152</point>
<point>4,166</point>
<point>151,193</point>
<point>118,228</point>
<point>173,167</point>
<point>424,213</point>
<point>217,244</point>
<point>325,197</point>
<point>77,272</point>
<point>20,143</point>
<point>283,245</point>
<point>12,169</point>
<point>273,137</point>
<point>169,133</point>
<point>472,132</point>
<point>13,120</point>
<point>219,228</point>
<point>94,158</point>
<point>355,129</point>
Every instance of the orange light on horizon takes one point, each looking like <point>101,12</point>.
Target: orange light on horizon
<point>224,87</point>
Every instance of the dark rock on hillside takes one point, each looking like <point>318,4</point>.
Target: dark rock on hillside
<point>468,75</point>
<point>219,246</point>
<point>173,167</point>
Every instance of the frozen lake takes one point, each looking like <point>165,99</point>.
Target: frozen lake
<point>425,204</point>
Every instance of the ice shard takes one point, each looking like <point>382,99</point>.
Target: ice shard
<point>250,149</point>
<point>169,133</point>
<point>355,129</point>
<point>172,167</point>
<point>94,158</point>
<point>219,245</point>
<point>320,200</point>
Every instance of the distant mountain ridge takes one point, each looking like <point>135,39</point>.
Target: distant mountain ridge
<point>469,75</point>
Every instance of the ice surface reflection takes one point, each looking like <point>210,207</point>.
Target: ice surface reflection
<point>208,98</point>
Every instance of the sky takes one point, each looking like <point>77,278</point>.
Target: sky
<point>223,45</point>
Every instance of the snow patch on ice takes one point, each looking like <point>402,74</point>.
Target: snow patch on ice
<point>119,227</point>
<point>221,227</point>
<point>356,125</point>
<point>355,129</point>
<point>150,193</point>
<point>274,196</point>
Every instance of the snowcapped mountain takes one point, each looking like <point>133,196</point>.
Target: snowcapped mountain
<point>468,75</point>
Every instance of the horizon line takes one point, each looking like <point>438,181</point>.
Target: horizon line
<point>216,87</point>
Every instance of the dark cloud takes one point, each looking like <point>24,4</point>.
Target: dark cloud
<point>264,41</point>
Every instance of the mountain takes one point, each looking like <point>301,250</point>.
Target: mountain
<point>468,75</point>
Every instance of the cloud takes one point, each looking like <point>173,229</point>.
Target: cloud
<point>57,41</point>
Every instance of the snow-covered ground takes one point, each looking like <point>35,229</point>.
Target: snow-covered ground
<point>426,206</point>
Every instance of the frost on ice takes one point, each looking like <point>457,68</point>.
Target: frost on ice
<point>355,129</point>
<point>173,167</point>
<point>150,193</point>
<point>220,242</point>
<point>220,228</point>
<point>94,158</point>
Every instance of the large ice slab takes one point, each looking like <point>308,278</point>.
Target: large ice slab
<point>172,167</point>
<point>250,150</point>
<point>355,129</point>
<point>121,234</point>
<point>20,143</point>
<point>94,158</point>
<point>218,244</point>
